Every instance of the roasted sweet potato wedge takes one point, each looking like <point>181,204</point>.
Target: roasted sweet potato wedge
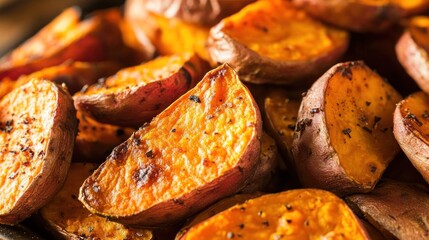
<point>344,133</point>
<point>95,140</point>
<point>203,147</point>
<point>197,12</point>
<point>136,94</point>
<point>38,128</point>
<point>98,38</point>
<point>411,129</point>
<point>67,218</point>
<point>362,15</point>
<point>412,51</point>
<point>294,214</point>
<point>273,42</point>
<point>398,210</point>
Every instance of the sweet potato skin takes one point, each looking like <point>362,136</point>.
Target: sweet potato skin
<point>256,68</point>
<point>210,97</point>
<point>47,158</point>
<point>409,130</point>
<point>317,162</point>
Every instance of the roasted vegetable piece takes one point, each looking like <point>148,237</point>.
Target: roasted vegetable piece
<point>136,94</point>
<point>273,42</point>
<point>197,12</point>
<point>294,214</point>
<point>95,140</point>
<point>362,15</point>
<point>203,147</point>
<point>344,130</point>
<point>398,210</point>
<point>67,218</point>
<point>38,127</point>
<point>98,38</point>
<point>411,129</point>
<point>412,51</point>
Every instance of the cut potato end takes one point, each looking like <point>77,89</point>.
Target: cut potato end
<point>294,214</point>
<point>65,216</point>
<point>152,175</point>
<point>38,127</point>
<point>359,105</point>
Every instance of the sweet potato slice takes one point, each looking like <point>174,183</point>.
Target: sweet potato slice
<point>67,218</point>
<point>273,42</point>
<point>398,210</point>
<point>362,15</point>
<point>98,38</point>
<point>411,129</point>
<point>38,127</point>
<point>136,94</point>
<point>412,51</point>
<point>294,214</point>
<point>95,140</point>
<point>344,131</point>
<point>203,147</point>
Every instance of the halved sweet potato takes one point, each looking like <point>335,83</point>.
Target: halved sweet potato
<point>67,218</point>
<point>203,147</point>
<point>98,38</point>
<point>37,132</point>
<point>412,51</point>
<point>411,129</point>
<point>74,74</point>
<point>168,35</point>
<point>95,140</point>
<point>362,15</point>
<point>273,42</point>
<point>344,133</point>
<point>197,12</point>
<point>136,94</point>
<point>294,214</point>
<point>398,210</point>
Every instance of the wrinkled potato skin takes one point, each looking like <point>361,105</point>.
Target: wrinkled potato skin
<point>414,59</point>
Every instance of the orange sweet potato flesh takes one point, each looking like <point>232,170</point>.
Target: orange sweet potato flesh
<point>203,147</point>
<point>294,214</point>
<point>136,94</point>
<point>344,132</point>
<point>38,127</point>
<point>95,140</point>
<point>67,218</point>
<point>98,38</point>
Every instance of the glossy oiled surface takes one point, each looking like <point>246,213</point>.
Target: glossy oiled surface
<point>359,107</point>
<point>415,112</point>
<point>199,138</point>
<point>294,214</point>
<point>277,30</point>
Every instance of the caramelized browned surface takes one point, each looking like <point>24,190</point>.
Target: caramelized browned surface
<point>67,217</point>
<point>207,139</point>
<point>359,105</point>
<point>415,113</point>
<point>294,214</point>
<point>35,120</point>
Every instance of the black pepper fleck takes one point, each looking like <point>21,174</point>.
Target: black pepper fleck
<point>347,132</point>
<point>195,98</point>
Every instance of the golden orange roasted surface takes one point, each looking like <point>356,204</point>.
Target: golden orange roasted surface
<point>210,133</point>
<point>415,115</point>
<point>68,218</point>
<point>36,119</point>
<point>419,30</point>
<point>294,214</point>
<point>277,30</point>
<point>359,107</point>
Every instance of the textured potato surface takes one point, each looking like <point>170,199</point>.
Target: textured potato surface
<point>202,147</point>
<point>415,112</point>
<point>294,214</point>
<point>359,105</point>
<point>66,216</point>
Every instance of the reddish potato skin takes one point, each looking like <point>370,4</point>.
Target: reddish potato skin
<point>415,149</point>
<point>414,59</point>
<point>316,162</point>
<point>258,69</point>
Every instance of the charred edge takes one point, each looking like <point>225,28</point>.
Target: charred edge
<point>346,71</point>
<point>8,126</point>
<point>314,111</point>
<point>118,154</point>
<point>178,201</point>
<point>414,118</point>
<point>302,124</point>
<point>187,75</point>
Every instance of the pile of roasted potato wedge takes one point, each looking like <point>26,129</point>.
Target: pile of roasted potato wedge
<point>218,119</point>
